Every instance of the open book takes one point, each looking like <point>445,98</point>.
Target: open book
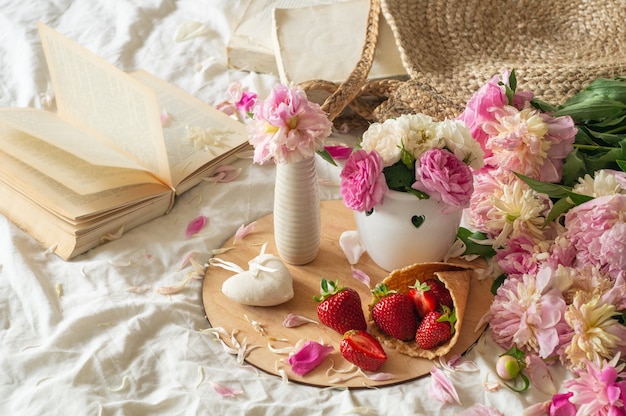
<point>107,160</point>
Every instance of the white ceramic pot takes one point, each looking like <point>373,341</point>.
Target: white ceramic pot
<point>297,225</point>
<point>404,230</point>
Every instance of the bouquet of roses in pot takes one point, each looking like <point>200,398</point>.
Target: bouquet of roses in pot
<point>415,154</point>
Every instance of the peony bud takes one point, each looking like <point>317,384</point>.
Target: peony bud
<point>507,367</point>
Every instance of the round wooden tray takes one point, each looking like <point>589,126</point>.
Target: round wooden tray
<point>332,264</point>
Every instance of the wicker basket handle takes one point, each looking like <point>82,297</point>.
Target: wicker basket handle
<point>350,88</point>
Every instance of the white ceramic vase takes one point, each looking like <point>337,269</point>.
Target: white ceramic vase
<point>297,225</point>
<point>404,230</point>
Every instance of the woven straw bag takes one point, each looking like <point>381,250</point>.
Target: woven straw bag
<point>450,48</point>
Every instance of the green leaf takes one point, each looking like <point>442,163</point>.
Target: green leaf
<point>525,384</point>
<point>574,167</point>
<point>621,164</point>
<point>327,156</point>
<point>497,282</point>
<point>594,107</point>
<point>472,247</point>
<point>542,105</point>
<point>560,207</point>
<point>579,198</point>
<point>551,189</point>
<point>399,177</point>
<point>513,80</point>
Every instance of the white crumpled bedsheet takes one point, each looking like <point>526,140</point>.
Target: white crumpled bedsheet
<point>73,339</point>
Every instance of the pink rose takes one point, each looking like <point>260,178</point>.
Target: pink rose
<point>444,178</point>
<point>363,183</point>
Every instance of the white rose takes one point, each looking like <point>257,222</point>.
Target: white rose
<point>384,138</point>
<point>458,139</point>
<point>419,133</point>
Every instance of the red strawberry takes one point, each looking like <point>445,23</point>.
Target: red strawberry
<point>423,298</point>
<point>435,329</point>
<point>441,292</point>
<point>394,313</point>
<point>340,307</point>
<point>362,350</point>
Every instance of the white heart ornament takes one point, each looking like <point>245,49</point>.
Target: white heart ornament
<point>267,283</point>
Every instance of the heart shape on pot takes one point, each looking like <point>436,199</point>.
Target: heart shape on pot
<point>267,283</point>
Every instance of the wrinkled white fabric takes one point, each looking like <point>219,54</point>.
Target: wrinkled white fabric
<point>100,349</point>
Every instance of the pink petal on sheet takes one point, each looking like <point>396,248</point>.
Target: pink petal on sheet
<point>442,388</point>
<point>243,232</point>
<point>539,375</point>
<point>196,225</point>
<point>187,260</point>
<point>225,391</point>
<point>225,173</point>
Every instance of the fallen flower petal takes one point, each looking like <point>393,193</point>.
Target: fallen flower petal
<point>165,118</point>
<point>539,375</point>
<point>195,225</point>
<point>491,385</point>
<point>169,290</point>
<point>538,409</point>
<point>351,245</point>
<point>112,236</point>
<point>292,320</point>
<point>339,152</point>
<point>456,363</point>
<point>442,388</point>
<point>377,376</point>
<point>122,386</point>
<point>200,377</point>
<point>186,260</point>
<point>361,276</point>
<point>225,173</point>
<point>243,232</point>
<point>309,357</point>
<point>138,289</point>
<point>225,391</point>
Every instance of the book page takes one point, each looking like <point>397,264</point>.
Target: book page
<point>189,117</point>
<point>48,127</point>
<point>75,173</point>
<point>67,204</point>
<point>101,99</point>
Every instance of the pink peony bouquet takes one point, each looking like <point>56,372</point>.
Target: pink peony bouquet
<point>414,154</point>
<point>286,127</point>
<point>549,206</point>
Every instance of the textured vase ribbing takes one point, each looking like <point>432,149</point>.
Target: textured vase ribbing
<point>297,225</point>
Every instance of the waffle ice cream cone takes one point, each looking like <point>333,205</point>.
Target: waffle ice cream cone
<point>456,278</point>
